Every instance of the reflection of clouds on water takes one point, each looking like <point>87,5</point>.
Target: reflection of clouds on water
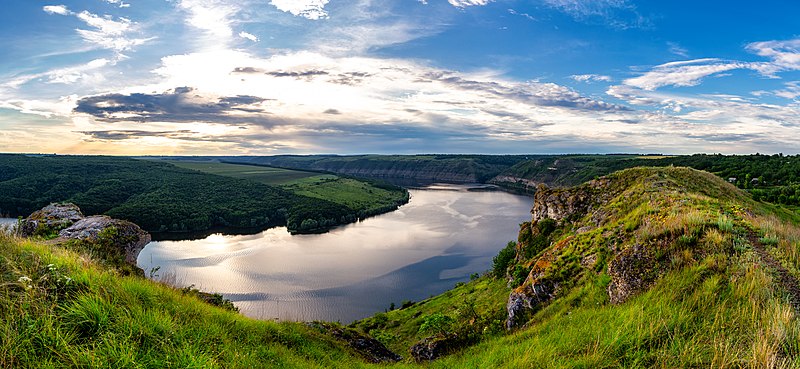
<point>437,239</point>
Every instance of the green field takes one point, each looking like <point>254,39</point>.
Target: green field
<point>358,195</point>
<point>266,175</point>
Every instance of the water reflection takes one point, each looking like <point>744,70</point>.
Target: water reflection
<point>423,248</point>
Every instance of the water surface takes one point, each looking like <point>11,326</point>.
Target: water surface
<point>440,237</point>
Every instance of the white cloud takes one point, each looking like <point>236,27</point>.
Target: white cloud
<point>591,78</point>
<point>248,36</point>
<point>214,17</point>
<point>682,73</point>
<point>110,33</point>
<point>791,91</point>
<point>678,50</point>
<point>118,3</point>
<point>784,55</point>
<point>309,9</point>
<point>466,3</point>
<point>524,15</point>
<point>106,32</point>
<point>615,13</point>
<point>56,9</point>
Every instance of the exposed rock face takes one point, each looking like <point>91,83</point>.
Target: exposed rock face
<point>526,299</point>
<point>69,222</point>
<point>559,204</point>
<point>434,347</point>
<point>631,271</point>
<point>52,217</point>
<point>128,236</point>
<point>369,348</point>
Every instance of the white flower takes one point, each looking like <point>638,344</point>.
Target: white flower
<point>24,279</point>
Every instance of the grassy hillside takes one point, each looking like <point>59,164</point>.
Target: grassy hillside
<point>648,267</point>
<point>62,309</point>
<point>710,280</point>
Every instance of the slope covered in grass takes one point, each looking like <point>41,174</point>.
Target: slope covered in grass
<point>648,267</point>
<point>60,309</point>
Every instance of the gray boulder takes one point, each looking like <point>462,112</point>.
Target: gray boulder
<point>50,219</point>
<point>128,237</point>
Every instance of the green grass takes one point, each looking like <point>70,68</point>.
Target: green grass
<point>60,309</point>
<point>712,302</point>
<point>355,194</point>
<point>266,175</point>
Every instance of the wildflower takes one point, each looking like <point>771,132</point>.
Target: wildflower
<point>26,281</point>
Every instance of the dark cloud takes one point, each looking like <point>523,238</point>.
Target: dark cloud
<point>248,70</point>
<point>350,78</point>
<point>332,111</point>
<point>299,74</point>
<point>181,104</point>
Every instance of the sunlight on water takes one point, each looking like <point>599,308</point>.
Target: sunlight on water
<point>439,238</point>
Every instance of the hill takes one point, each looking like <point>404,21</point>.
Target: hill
<point>161,197</point>
<point>646,267</point>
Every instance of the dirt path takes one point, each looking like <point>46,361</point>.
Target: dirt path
<point>788,281</point>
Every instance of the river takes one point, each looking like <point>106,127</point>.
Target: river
<point>444,234</point>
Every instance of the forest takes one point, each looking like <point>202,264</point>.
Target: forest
<point>160,197</point>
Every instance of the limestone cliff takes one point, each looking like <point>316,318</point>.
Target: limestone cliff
<point>629,226</point>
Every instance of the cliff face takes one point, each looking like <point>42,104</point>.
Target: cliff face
<point>630,227</point>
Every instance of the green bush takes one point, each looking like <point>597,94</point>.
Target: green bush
<point>503,259</point>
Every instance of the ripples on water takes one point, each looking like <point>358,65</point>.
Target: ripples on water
<point>440,237</point>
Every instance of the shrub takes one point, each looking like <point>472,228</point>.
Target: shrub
<point>436,324</point>
<point>503,259</point>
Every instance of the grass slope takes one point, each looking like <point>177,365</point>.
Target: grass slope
<point>62,309</point>
<point>712,300</point>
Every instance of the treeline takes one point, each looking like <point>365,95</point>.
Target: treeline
<point>446,168</point>
<point>158,196</point>
<point>773,178</point>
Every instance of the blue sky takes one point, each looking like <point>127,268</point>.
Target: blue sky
<point>407,76</point>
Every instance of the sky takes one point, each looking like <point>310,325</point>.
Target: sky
<point>267,77</point>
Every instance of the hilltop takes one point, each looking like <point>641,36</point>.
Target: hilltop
<point>645,267</point>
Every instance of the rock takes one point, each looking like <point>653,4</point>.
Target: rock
<point>49,219</point>
<point>631,271</point>
<point>526,299</point>
<point>128,236</point>
<point>369,348</point>
<point>559,204</point>
<point>434,347</point>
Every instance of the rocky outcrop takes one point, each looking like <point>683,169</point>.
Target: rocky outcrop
<point>70,224</point>
<point>559,204</point>
<point>526,299</point>
<point>50,219</point>
<point>434,347</point>
<point>128,237</point>
<point>631,271</point>
<point>369,348</point>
